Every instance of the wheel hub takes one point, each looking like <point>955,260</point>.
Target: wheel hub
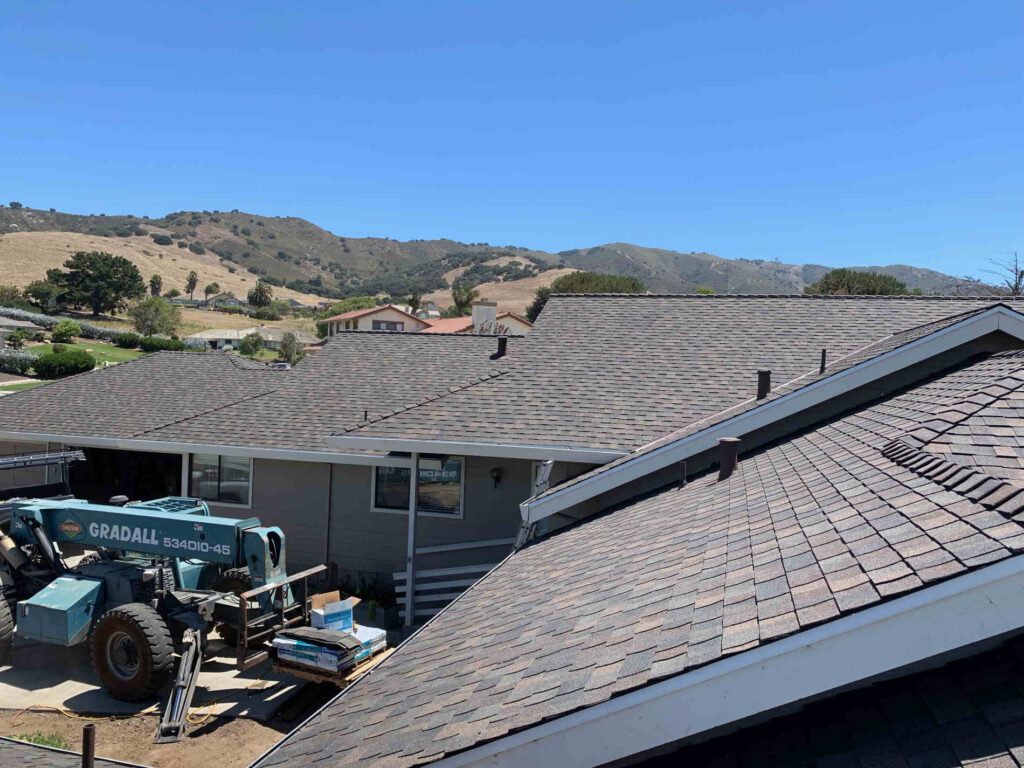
<point>122,655</point>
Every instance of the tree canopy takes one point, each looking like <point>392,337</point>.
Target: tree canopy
<point>191,283</point>
<point>291,348</point>
<point>155,315</point>
<point>463,296</point>
<point>847,282</point>
<point>261,295</point>
<point>251,345</point>
<point>156,284</point>
<point>583,282</point>
<point>101,281</point>
<point>211,289</point>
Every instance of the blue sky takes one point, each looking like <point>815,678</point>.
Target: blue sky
<point>831,132</point>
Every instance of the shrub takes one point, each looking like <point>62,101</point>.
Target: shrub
<point>39,336</point>
<point>195,345</point>
<point>14,204</point>
<point>172,294</point>
<point>57,365</point>
<point>45,739</point>
<point>197,248</point>
<point>128,340</point>
<point>266,313</point>
<point>231,310</point>
<point>182,244</point>
<point>91,331</point>
<point>162,240</point>
<point>17,339</point>
<point>158,344</point>
<point>15,361</point>
<point>65,329</point>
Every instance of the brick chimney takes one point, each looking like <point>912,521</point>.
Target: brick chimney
<point>485,316</point>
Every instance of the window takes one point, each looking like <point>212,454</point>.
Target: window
<point>222,479</point>
<point>385,325</point>
<point>439,491</point>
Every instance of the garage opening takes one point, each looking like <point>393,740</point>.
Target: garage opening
<point>134,474</point>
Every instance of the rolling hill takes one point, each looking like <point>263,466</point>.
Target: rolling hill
<point>307,262</point>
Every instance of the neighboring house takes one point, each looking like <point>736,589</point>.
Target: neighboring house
<point>384,318</point>
<point>828,570</point>
<point>429,311</point>
<point>485,319</point>
<point>222,338</point>
<point>223,300</point>
<point>9,325</point>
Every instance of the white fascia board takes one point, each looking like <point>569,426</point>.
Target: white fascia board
<point>463,448</point>
<point>965,610</point>
<point>995,319</point>
<point>242,451</point>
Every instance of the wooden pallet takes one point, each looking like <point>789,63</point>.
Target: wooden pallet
<point>341,679</point>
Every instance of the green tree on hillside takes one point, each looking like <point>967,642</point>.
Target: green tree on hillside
<point>156,284</point>
<point>210,290</point>
<point>14,204</point>
<point>101,281</point>
<point>43,292</point>
<point>583,282</point>
<point>191,283</point>
<point>463,296</point>
<point>415,301</point>
<point>261,295</point>
<point>847,282</point>
<point>155,315</point>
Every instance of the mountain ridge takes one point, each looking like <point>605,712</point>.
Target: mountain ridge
<point>297,254</point>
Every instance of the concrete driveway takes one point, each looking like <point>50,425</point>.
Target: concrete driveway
<point>45,675</point>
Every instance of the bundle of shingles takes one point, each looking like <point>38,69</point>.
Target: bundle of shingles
<point>333,650</point>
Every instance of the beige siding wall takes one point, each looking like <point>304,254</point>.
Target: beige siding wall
<point>385,315</point>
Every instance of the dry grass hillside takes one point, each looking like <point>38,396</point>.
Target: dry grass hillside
<point>25,256</point>
<point>512,296</point>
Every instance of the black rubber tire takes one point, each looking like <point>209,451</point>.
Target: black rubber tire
<point>146,641</point>
<point>236,581</point>
<point>6,630</point>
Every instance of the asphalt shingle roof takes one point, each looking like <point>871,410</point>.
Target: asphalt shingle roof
<point>816,526</point>
<point>967,713</point>
<point>868,352</point>
<point>19,754</point>
<point>223,399</point>
<point>616,372</point>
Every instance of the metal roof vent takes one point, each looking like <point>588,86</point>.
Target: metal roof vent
<point>764,384</point>
<point>728,453</point>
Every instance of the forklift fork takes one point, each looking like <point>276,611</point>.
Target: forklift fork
<point>174,721</point>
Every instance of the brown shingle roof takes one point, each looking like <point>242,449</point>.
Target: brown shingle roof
<point>814,527</point>
<point>616,372</point>
<point>19,754</point>
<point>222,399</point>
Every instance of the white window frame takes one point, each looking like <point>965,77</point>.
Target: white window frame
<point>420,512</point>
<point>186,481</point>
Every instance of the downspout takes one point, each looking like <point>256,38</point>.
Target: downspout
<point>410,547</point>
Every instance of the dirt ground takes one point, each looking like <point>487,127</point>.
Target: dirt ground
<point>223,742</point>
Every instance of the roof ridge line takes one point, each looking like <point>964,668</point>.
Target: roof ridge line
<point>426,400</point>
<point>202,413</point>
<point>1005,498</point>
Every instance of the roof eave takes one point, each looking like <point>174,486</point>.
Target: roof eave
<point>998,318</point>
<point>538,452</point>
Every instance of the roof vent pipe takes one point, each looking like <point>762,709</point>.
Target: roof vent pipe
<point>764,384</point>
<point>728,451</point>
<point>502,346</point>
<point>824,354</point>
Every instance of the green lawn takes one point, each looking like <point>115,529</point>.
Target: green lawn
<point>21,386</point>
<point>104,353</point>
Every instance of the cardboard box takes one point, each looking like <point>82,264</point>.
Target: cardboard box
<point>336,615</point>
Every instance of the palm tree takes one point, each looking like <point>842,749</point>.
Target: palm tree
<point>261,295</point>
<point>191,283</point>
<point>156,284</point>
<point>463,296</point>
<point>415,301</point>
